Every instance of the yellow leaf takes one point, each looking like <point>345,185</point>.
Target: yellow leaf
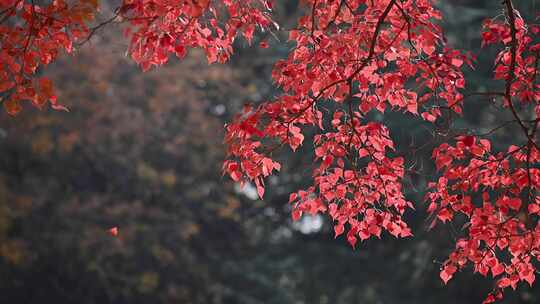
<point>168,178</point>
<point>145,171</point>
<point>148,282</point>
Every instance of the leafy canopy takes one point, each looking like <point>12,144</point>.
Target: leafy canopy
<point>350,59</point>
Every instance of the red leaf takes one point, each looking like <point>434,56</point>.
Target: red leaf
<point>468,140</point>
<point>113,231</point>
<point>338,230</point>
<point>447,273</point>
<point>12,106</point>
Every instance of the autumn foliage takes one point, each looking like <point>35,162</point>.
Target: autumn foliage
<point>350,59</point>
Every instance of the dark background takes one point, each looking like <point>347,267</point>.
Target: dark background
<point>143,151</point>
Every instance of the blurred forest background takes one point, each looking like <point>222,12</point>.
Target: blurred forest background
<point>143,151</point>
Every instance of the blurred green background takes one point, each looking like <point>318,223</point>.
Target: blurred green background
<point>143,151</point>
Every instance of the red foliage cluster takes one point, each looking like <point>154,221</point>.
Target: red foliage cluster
<point>31,35</point>
<point>350,58</point>
<point>163,27</point>
<point>355,57</point>
<point>498,192</point>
